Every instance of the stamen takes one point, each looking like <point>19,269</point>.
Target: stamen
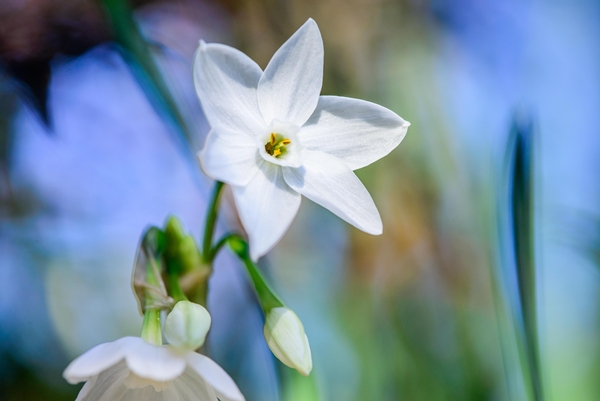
<point>276,145</point>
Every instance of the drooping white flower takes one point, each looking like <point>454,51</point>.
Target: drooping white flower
<point>285,336</point>
<point>274,138</point>
<point>131,369</point>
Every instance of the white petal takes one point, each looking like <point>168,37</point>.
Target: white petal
<point>226,81</point>
<point>355,131</point>
<point>215,376</point>
<point>230,156</point>
<point>327,181</point>
<point>96,360</point>
<point>153,362</point>
<point>87,387</point>
<point>267,206</point>
<point>107,386</point>
<point>190,387</point>
<point>290,86</point>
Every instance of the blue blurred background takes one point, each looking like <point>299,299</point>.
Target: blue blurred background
<point>424,312</point>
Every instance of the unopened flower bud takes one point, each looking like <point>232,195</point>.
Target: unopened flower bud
<point>187,325</point>
<point>286,338</point>
<point>181,253</point>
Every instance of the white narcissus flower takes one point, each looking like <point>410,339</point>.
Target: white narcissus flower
<point>274,138</point>
<point>131,369</point>
<point>285,336</point>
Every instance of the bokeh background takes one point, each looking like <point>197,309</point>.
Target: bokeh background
<point>89,157</point>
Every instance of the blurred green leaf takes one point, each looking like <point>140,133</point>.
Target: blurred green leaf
<point>136,53</point>
<point>296,387</point>
<point>521,193</point>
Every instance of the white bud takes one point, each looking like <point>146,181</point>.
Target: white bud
<point>286,338</point>
<point>187,325</point>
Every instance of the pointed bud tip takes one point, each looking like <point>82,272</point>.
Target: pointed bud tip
<point>285,337</point>
<point>173,226</point>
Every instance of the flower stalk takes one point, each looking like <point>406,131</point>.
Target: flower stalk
<point>266,296</point>
<point>283,330</point>
<point>209,227</point>
<point>151,329</point>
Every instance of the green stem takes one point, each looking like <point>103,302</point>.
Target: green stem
<point>175,289</point>
<point>211,219</point>
<point>220,243</point>
<point>151,330</point>
<point>266,296</point>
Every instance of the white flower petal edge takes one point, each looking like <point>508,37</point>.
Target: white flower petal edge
<point>226,81</point>
<point>188,387</point>
<point>325,180</point>
<point>106,386</point>
<point>230,156</point>
<point>87,387</point>
<point>355,131</point>
<point>97,359</point>
<point>154,363</point>
<point>130,365</point>
<point>289,88</point>
<point>215,376</point>
<point>267,207</point>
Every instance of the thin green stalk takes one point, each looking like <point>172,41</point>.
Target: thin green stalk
<point>151,329</point>
<point>211,220</point>
<point>175,289</point>
<point>220,244</point>
<point>266,296</point>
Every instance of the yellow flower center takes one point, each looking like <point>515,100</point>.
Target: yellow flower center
<point>277,145</point>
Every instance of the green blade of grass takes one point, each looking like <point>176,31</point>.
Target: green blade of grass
<point>522,208</point>
<point>516,292</point>
<point>138,57</point>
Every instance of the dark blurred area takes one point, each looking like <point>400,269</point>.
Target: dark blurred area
<point>423,312</point>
